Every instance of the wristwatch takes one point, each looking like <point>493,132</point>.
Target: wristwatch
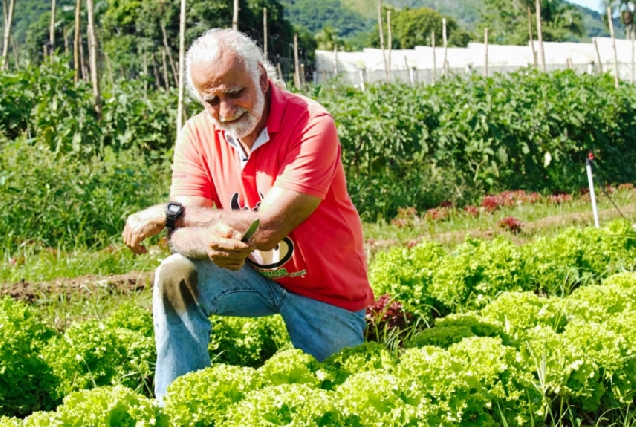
<point>173,211</point>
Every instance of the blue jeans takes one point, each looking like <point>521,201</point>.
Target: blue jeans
<point>187,291</point>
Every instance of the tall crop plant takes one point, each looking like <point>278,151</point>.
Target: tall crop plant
<point>414,146</point>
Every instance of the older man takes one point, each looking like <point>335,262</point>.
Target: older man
<point>256,152</point>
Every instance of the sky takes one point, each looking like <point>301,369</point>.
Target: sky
<point>590,4</point>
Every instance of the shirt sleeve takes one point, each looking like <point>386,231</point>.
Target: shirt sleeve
<point>190,176</point>
<point>312,159</point>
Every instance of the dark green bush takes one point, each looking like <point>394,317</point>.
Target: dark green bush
<point>68,200</point>
<point>26,381</point>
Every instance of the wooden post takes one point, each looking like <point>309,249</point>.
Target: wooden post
<point>155,71</point>
<point>390,40</point>
<point>486,53</point>
<point>362,79</point>
<point>303,82</point>
<point>445,39</point>
<point>235,15</point>
<point>265,32</point>
<point>7,33</point>
<point>83,59</point>
<point>598,57</point>
<point>171,61</point>
<point>335,59</point>
<point>145,75</point>
<point>16,52</point>
<point>164,60</point>
<point>540,35</point>
<point>109,66</point>
<point>76,42</point>
<point>65,37</point>
<point>296,64</point>
<point>534,52</point>
<point>52,31</point>
<point>181,82</point>
<point>633,69</point>
<point>92,40</point>
<point>5,13</point>
<point>280,71</point>
<point>611,26</point>
<point>386,66</point>
<point>434,57</point>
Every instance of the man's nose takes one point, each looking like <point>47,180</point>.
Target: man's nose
<point>227,111</point>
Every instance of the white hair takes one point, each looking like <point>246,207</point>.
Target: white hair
<point>209,45</point>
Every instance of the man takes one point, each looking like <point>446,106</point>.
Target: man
<point>256,152</point>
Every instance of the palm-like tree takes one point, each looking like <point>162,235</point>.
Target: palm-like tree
<point>624,8</point>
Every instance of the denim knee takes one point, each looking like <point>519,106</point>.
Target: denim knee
<point>176,283</point>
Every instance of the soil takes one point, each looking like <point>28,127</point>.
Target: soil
<point>136,281</point>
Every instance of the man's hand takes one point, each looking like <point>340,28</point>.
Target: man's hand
<point>226,249</point>
<point>143,224</point>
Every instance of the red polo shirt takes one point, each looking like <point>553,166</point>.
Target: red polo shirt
<point>324,257</point>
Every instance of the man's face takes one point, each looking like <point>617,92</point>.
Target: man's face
<point>233,100</point>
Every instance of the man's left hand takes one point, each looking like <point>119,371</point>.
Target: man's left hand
<point>226,249</point>
<point>143,224</point>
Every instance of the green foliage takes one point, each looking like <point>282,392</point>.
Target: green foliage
<point>476,272</point>
<point>406,274</point>
<point>519,311</point>
<point>413,27</point>
<point>92,354</point>
<point>578,257</point>
<point>26,382</point>
<point>115,406</point>
<point>462,137</point>
<point>202,398</point>
<point>285,405</point>
<point>440,336</point>
<point>291,366</point>
<point>247,341</point>
<point>43,102</point>
<point>314,16</point>
<point>380,398</point>
<point>64,201</point>
<point>364,357</point>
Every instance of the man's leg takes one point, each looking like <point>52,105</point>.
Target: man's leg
<point>321,329</point>
<point>186,292</point>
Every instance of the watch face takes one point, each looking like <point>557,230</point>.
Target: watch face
<point>174,208</point>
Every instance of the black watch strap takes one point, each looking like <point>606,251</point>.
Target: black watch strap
<point>173,211</point>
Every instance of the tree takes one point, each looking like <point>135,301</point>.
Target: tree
<point>625,9</point>
<point>507,21</point>
<point>413,27</point>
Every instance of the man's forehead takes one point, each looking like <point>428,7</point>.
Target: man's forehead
<point>226,69</point>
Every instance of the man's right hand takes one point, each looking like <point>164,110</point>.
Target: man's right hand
<point>143,224</point>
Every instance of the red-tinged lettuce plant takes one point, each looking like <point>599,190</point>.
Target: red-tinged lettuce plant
<point>387,321</point>
<point>511,224</point>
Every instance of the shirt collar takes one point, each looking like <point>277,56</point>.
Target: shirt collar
<point>263,138</point>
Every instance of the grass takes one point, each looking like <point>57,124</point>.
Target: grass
<point>575,213</point>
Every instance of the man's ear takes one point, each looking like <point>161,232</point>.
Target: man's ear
<point>264,80</point>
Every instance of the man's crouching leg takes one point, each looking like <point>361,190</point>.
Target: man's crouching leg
<point>182,329</point>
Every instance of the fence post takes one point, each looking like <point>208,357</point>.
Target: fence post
<point>598,57</point>
<point>92,54</point>
<point>540,35</point>
<point>445,39</point>
<point>386,67</point>
<point>7,33</point>
<point>486,53</point>
<point>534,52</point>
<point>388,25</point>
<point>235,15</point>
<point>611,26</point>
<point>180,81</point>
<point>434,57</point>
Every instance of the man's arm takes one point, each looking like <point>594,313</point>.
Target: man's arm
<point>281,211</point>
<point>203,231</point>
